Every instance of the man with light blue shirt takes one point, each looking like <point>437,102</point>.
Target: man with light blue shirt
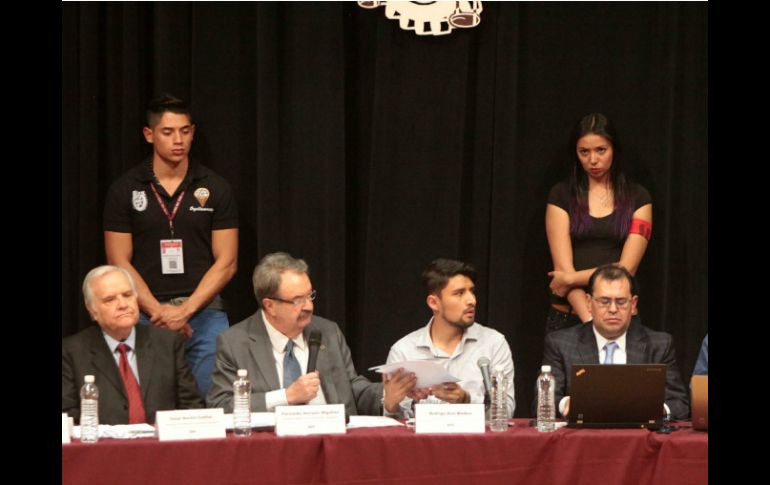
<point>451,338</point>
<point>138,370</point>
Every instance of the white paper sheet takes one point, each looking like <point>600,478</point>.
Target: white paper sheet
<point>258,420</point>
<point>131,431</point>
<point>428,373</point>
<point>372,422</point>
<point>121,431</point>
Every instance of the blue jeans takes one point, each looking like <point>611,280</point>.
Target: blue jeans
<point>200,349</point>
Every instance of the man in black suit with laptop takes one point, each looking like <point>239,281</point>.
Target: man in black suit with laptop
<point>610,338</point>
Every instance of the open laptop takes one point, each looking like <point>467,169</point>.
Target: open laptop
<point>616,395</point>
<point>699,387</point>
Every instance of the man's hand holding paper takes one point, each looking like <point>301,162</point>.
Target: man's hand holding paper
<point>428,373</point>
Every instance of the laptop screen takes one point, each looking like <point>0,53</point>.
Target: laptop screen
<point>616,395</point>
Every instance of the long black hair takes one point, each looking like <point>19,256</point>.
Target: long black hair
<point>579,219</point>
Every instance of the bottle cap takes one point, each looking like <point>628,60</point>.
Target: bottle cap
<point>242,372</point>
<point>545,368</point>
<point>89,378</point>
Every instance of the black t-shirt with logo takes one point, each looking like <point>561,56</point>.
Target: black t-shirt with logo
<point>207,205</point>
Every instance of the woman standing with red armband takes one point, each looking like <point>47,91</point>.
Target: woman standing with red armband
<point>597,216</point>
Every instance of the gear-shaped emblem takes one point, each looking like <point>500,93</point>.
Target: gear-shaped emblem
<point>430,18</point>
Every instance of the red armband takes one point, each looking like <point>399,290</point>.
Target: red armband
<point>641,227</point>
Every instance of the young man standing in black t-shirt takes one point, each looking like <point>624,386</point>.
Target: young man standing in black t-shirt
<point>173,225</point>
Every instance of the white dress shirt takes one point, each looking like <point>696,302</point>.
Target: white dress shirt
<point>278,342</point>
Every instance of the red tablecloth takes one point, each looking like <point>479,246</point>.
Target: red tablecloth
<point>398,455</point>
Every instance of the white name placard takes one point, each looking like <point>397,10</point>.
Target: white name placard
<point>449,418</point>
<point>65,428</point>
<point>307,420</point>
<point>190,424</point>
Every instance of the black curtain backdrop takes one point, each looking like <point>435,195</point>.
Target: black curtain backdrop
<point>369,151</point>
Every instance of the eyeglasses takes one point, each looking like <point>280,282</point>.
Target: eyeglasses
<point>297,302</point>
<point>605,302</point>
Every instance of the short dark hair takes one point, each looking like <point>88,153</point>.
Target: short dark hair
<point>436,276</point>
<point>611,272</point>
<point>166,103</point>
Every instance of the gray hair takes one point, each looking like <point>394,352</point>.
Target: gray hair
<point>267,274</point>
<point>98,272</point>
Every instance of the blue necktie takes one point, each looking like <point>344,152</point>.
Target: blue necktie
<point>610,348</point>
<point>291,369</point>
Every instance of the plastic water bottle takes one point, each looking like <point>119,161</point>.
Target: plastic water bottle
<point>499,411</point>
<point>89,411</point>
<point>242,404</point>
<point>546,408</point>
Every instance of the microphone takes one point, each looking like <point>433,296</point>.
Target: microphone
<point>314,342</point>
<point>483,364</point>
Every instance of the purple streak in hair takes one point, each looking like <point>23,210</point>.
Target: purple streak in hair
<point>580,221</point>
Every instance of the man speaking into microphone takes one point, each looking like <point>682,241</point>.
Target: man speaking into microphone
<point>292,356</point>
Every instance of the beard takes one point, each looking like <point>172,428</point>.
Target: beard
<point>461,323</point>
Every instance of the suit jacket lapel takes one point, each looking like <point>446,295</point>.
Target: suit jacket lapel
<point>103,360</point>
<point>145,358</point>
<point>587,350</point>
<point>636,345</point>
<point>261,351</point>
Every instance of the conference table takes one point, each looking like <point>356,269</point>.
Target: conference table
<point>399,455</point>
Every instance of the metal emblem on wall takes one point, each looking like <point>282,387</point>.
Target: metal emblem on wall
<point>430,18</point>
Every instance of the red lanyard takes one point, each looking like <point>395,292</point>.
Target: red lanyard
<point>163,206</point>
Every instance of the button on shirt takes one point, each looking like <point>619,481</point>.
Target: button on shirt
<point>130,354</point>
<point>478,341</point>
<point>278,343</point>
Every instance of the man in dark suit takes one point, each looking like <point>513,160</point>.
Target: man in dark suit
<point>153,375</point>
<point>612,299</point>
<point>272,345</point>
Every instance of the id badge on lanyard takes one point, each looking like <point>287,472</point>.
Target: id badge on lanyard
<point>171,250</point>
<point>171,256</point>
